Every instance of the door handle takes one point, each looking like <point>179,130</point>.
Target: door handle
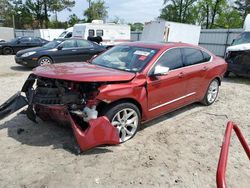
<point>74,50</point>
<point>181,75</point>
<point>204,68</point>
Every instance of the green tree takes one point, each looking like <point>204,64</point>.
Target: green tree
<point>136,26</point>
<point>97,11</point>
<point>59,5</point>
<point>5,13</point>
<point>229,18</point>
<point>178,11</point>
<point>41,9</point>
<point>243,8</point>
<point>208,11</point>
<point>73,19</point>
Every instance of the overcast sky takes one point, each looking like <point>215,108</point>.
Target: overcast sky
<point>129,10</point>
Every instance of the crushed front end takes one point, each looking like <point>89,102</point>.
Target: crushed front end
<point>65,102</point>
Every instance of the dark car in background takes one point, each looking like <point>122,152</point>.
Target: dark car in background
<point>59,51</point>
<point>20,43</point>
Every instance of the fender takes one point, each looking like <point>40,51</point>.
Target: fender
<point>136,90</point>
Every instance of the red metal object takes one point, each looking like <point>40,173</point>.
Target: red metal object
<point>99,131</point>
<point>221,170</point>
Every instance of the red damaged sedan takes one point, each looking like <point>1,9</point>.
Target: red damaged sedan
<point>106,99</point>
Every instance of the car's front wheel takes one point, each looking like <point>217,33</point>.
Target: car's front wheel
<point>125,117</point>
<point>8,51</point>
<point>212,92</point>
<point>44,61</point>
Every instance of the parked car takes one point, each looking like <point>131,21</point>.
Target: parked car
<point>106,100</point>
<point>58,51</point>
<point>20,43</point>
<point>2,40</point>
<point>238,55</point>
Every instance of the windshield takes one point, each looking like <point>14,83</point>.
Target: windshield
<point>52,44</point>
<point>127,58</point>
<point>63,34</point>
<point>242,38</point>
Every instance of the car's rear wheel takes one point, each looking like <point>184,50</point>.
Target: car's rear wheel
<point>8,51</point>
<point>125,117</point>
<point>44,61</point>
<point>212,92</point>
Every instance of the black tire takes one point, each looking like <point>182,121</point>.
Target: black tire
<point>112,110</point>
<point>8,51</point>
<point>44,60</point>
<point>226,75</point>
<point>205,100</point>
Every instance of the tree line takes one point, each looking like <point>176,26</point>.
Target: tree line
<point>207,13</point>
<point>43,13</point>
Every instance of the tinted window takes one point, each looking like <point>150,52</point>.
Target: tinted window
<point>36,40</point>
<point>69,44</point>
<point>171,59</point>
<point>83,44</point>
<point>25,40</point>
<point>99,33</point>
<point>192,56</point>
<point>91,33</point>
<point>206,57</point>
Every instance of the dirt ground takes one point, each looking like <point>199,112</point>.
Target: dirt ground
<point>180,149</point>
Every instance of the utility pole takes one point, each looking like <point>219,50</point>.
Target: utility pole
<point>14,24</point>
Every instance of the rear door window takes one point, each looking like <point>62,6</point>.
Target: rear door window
<point>172,59</point>
<point>69,44</point>
<point>83,44</point>
<point>192,56</point>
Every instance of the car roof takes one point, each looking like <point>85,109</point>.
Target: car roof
<point>159,45</point>
<point>64,39</point>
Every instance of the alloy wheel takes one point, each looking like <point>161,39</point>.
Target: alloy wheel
<point>126,121</point>
<point>212,91</point>
<point>45,61</point>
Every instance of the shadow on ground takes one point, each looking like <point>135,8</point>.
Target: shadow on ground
<point>45,134</point>
<point>237,79</point>
<point>20,68</point>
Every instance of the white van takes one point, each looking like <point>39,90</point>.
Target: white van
<point>165,31</point>
<point>67,33</point>
<point>48,34</point>
<point>111,33</point>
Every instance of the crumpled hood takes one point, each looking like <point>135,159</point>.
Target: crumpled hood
<point>240,47</point>
<point>82,72</point>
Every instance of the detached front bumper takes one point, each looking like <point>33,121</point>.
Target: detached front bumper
<point>88,135</point>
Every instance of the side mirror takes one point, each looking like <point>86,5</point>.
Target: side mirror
<point>59,47</point>
<point>160,71</point>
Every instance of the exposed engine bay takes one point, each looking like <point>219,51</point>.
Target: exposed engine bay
<point>79,98</point>
<point>66,102</point>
